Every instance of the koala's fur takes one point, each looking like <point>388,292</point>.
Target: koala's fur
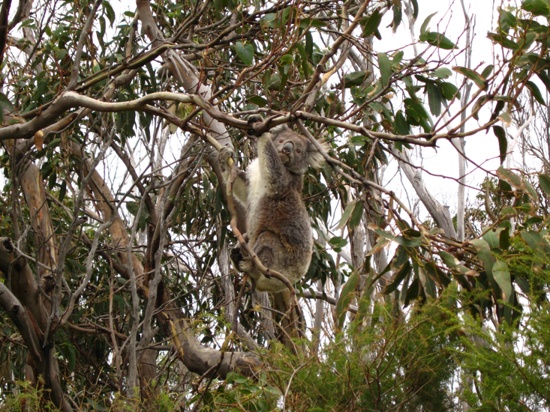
<point>278,225</point>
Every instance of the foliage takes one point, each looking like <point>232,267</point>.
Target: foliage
<point>117,292</point>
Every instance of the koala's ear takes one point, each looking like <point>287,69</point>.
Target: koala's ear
<point>315,157</point>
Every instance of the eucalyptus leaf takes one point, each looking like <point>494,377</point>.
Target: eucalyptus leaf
<point>245,52</point>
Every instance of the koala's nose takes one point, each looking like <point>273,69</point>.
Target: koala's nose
<point>288,147</point>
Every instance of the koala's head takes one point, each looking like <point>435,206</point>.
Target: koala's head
<point>295,151</point>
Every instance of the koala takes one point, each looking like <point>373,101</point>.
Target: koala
<point>278,225</point>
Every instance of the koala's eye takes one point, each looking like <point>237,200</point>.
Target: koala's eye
<point>298,151</point>
<point>281,140</point>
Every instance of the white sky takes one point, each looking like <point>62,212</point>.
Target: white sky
<point>482,148</point>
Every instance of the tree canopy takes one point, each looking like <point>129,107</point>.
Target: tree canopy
<point>427,290</point>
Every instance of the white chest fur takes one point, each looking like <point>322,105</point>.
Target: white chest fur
<point>257,186</point>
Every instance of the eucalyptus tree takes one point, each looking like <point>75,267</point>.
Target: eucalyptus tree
<point>117,221</point>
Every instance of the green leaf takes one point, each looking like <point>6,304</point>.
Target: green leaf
<point>397,15</point>
<point>400,124</point>
<point>434,98</point>
<point>544,182</point>
<point>437,276</point>
<point>415,9</point>
<point>346,297</point>
<point>501,274</point>
<point>503,40</point>
<point>450,260</point>
<point>416,114</point>
<point>307,23</point>
<point>371,25</point>
<point>5,103</point>
<point>533,88</point>
<point>492,238</point>
<point>506,20</point>
<point>487,70</point>
<point>442,73</point>
<point>535,241</point>
<point>544,78</point>
<point>347,214</point>
<point>384,64</point>
<point>258,101</point>
<point>484,254</point>
<point>537,7</point>
<point>337,243</point>
<point>408,241</point>
<point>109,12</point>
<point>509,177</point>
<point>500,133</point>
<point>425,23</point>
<point>437,40</point>
<point>356,215</point>
<point>245,52</point>
<point>355,78</point>
<point>398,278</point>
<point>449,91</point>
<point>479,80</point>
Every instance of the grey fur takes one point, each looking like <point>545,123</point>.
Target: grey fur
<point>278,225</point>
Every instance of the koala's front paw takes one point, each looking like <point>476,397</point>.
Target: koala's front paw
<point>224,155</point>
<point>236,255</point>
<point>246,265</point>
<point>254,120</point>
